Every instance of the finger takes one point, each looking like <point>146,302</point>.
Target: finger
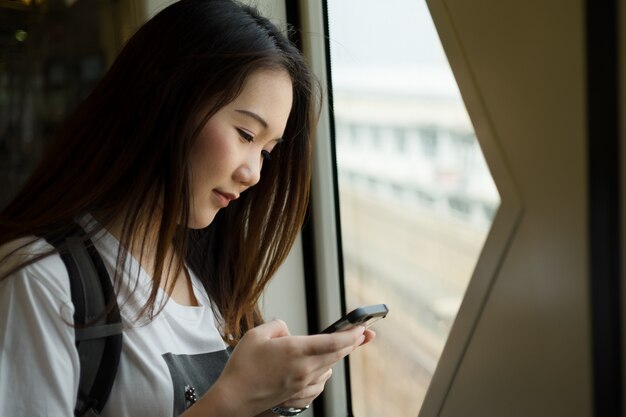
<point>318,365</point>
<point>311,392</point>
<point>321,376</point>
<point>305,397</point>
<point>324,377</point>
<point>272,329</point>
<point>337,348</point>
<point>322,344</point>
<point>369,336</point>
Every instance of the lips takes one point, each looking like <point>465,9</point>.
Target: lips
<point>224,198</point>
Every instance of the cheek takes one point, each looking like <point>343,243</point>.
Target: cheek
<point>209,156</point>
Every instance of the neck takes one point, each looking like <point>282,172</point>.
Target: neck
<point>142,245</point>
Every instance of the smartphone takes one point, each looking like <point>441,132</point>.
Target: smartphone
<point>363,316</point>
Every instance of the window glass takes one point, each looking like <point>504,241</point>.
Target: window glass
<point>416,197</point>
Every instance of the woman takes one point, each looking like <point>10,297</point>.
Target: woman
<point>161,166</point>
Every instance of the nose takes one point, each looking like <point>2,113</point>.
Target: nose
<point>249,172</point>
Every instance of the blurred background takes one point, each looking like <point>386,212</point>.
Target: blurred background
<point>52,53</point>
<point>416,196</point>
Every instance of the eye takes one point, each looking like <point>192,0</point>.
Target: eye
<point>266,155</point>
<point>245,135</point>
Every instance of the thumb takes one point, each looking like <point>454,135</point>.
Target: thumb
<point>273,329</point>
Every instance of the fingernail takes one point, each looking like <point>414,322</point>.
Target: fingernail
<point>361,340</point>
<point>362,329</point>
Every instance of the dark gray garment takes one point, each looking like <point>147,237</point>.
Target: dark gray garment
<point>197,372</point>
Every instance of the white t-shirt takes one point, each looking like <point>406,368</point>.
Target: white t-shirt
<point>39,367</point>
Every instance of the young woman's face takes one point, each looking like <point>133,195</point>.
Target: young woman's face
<point>228,155</point>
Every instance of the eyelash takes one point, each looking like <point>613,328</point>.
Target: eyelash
<point>245,135</point>
<point>249,138</point>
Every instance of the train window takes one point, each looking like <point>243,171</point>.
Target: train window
<point>415,195</point>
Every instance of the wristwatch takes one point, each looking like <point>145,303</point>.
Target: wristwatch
<point>289,411</point>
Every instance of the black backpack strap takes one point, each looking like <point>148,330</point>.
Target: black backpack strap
<point>98,335</point>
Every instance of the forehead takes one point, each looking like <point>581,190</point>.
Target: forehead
<point>267,93</point>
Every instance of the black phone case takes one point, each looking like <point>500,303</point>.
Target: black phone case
<point>358,316</point>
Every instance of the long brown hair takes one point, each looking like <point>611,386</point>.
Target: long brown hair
<point>125,150</point>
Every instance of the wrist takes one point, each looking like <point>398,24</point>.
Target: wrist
<point>228,404</point>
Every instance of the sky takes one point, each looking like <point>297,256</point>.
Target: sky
<point>387,44</point>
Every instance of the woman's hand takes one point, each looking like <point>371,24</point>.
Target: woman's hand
<point>313,390</point>
<point>269,367</point>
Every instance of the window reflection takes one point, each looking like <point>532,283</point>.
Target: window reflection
<point>416,197</point>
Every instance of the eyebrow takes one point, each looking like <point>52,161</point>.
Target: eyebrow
<point>258,119</point>
<point>254,116</point>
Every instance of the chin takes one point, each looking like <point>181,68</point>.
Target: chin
<point>201,220</point>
